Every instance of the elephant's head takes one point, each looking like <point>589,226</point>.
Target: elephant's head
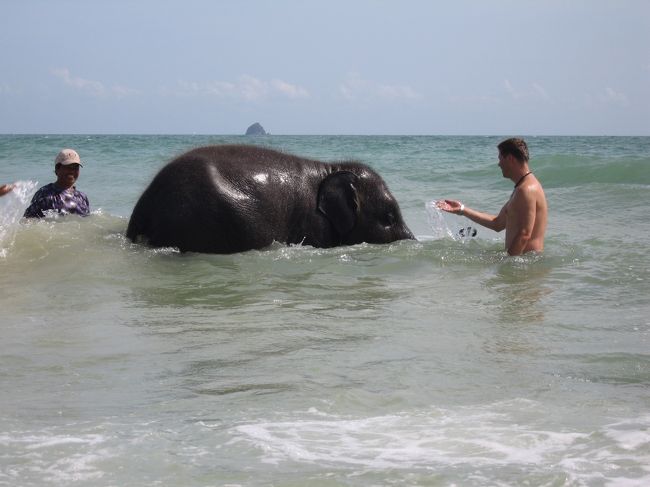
<point>361,208</point>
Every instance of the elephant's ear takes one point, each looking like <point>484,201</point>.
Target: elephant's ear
<point>338,200</point>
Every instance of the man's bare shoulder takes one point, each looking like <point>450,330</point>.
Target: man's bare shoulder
<point>530,189</point>
<point>530,198</point>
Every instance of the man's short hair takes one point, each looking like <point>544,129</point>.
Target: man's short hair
<point>514,147</point>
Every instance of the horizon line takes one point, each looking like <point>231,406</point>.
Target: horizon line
<point>204,134</point>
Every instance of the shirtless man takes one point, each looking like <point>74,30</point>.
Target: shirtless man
<point>525,214</point>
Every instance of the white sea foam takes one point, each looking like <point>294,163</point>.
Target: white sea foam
<point>631,434</point>
<point>56,458</point>
<point>484,438</point>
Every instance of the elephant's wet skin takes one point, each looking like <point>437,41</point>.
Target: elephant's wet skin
<point>232,198</point>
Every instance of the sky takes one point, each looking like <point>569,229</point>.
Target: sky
<point>357,67</point>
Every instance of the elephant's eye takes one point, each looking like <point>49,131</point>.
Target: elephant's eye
<point>390,218</point>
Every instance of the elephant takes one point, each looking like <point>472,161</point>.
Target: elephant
<point>224,199</point>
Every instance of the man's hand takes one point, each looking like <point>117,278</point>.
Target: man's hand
<point>5,188</point>
<point>450,206</point>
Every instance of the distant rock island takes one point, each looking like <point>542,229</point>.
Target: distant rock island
<point>256,129</point>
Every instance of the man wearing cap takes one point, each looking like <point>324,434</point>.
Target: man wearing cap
<point>61,196</point>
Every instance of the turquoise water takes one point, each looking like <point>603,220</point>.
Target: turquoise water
<point>436,362</point>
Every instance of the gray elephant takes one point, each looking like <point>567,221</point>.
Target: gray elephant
<point>232,198</point>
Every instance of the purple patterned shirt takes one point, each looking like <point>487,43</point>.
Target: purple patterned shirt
<point>51,197</point>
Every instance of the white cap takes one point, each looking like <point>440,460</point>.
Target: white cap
<point>66,157</point>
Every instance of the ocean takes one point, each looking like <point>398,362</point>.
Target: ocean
<point>436,362</point>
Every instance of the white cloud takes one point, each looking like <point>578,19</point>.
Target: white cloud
<point>608,96</point>
<point>475,100</point>
<point>511,91</point>
<point>91,87</point>
<point>246,88</point>
<point>289,90</point>
<point>534,91</point>
<point>614,97</point>
<point>251,88</point>
<point>357,88</point>
<point>191,88</point>
<point>7,89</point>
<point>123,91</point>
<point>541,91</point>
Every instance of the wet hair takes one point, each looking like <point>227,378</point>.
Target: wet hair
<point>514,147</point>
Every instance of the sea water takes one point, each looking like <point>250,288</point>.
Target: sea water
<point>440,361</point>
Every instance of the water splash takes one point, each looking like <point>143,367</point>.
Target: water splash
<point>437,221</point>
<point>12,207</point>
<point>440,224</point>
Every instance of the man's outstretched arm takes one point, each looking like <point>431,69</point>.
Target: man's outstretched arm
<point>496,223</point>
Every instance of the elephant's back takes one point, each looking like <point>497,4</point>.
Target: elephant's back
<point>213,198</point>
<point>217,189</point>
<point>181,198</point>
<point>242,160</point>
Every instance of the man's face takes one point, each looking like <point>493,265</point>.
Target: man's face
<point>504,164</point>
<point>67,175</point>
